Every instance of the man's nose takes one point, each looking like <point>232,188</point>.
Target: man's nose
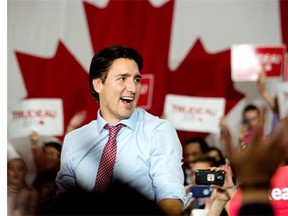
<point>132,86</point>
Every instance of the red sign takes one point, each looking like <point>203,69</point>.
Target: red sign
<point>145,100</point>
<point>247,61</point>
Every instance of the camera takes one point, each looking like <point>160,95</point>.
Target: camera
<point>208,177</point>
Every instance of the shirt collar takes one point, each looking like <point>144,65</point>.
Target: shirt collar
<point>130,122</point>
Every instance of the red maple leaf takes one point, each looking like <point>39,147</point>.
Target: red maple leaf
<point>58,77</point>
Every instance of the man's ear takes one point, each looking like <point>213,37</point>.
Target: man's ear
<point>97,84</point>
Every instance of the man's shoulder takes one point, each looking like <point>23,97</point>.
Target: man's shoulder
<point>80,140</point>
<point>145,115</point>
<point>83,132</point>
<point>89,126</point>
<point>150,119</point>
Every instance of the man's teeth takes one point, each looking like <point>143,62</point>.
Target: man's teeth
<point>128,99</point>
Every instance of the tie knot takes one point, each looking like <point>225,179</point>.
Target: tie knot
<point>114,129</point>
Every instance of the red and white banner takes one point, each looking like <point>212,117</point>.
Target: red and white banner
<point>45,116</point>
<point>194,113</point>
<point>248,60</point>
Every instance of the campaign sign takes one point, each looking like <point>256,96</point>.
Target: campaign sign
<point>282,97</point>
<point>147,83</point>
<point>194,113</point>
<point>248,60</point>
<point>45,116</point>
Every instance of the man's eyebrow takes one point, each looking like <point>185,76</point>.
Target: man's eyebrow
<point>128,75</point>
<point>138,76</point>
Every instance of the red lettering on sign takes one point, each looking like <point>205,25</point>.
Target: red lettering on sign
<point>34,114</point>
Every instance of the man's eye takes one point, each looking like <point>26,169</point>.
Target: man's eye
<point>138,80</point>
<point>122,78</point>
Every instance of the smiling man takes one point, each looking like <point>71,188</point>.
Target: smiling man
<point>148,154</point>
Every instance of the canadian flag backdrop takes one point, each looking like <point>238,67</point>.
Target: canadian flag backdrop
<point>185,45</point>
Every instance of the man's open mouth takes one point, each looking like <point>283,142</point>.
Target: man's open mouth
<point>127,99</point>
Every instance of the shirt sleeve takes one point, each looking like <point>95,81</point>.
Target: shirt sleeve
<point>166,163</point>
<point>65,178</point>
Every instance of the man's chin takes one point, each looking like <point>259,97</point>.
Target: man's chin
<point>126,114</point>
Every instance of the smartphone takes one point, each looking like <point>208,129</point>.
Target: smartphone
<point>208,177</point>
<point>201,191</point>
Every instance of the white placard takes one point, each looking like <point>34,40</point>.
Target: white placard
<point>194,113</point>
<point>282,97</point>
<point>45,116</point>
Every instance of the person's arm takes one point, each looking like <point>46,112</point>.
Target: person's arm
<point>76,121</point>
<point>166,169</point>
<point>65,178</point>
<point>224,127</point>
<point>37,151</point>
<point>217,207</point>
<point>270,99</point>
<point>34,139</point>
<point>171,206</point>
